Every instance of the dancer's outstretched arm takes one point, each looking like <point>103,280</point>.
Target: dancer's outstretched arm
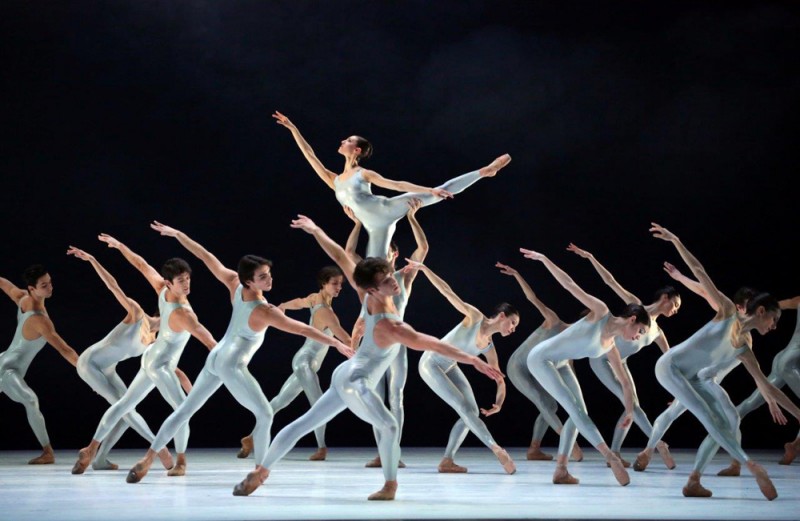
<point>44,327</point>
<point>325,317</point>
<point>227,276</point>
<point>608,278</point>
<point>186,320</point>
<point>334,251</point>
<point>772,394</point>
<point>13,292</point>
<point>790,303</point>
<point>133,308</point>
<point>326,175</point>
<point>375,178</point>
<point>470,312</point>
<point>270,316</point>
<point>150,273</point>
<point>551,319</point>
<point>615,360</point>
<point>690,284</point>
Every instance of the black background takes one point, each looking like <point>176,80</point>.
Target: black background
<point>616,114</point>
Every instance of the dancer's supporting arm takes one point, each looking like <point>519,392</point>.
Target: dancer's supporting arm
<point>419,254</point>
<point>471,316</point>
<point>597,310</point>
<point>551,319</point>
<point>150,273</point>
<point>352,239</point>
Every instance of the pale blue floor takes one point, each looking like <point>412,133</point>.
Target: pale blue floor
<point>338,488</point>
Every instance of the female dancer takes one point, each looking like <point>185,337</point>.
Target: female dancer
<point>227,363</point>
<point>309,357</point>
<point>353,382</point>
<point>378,213</point>
<point>521,377</point>
<point>473,335</point>
<point>666,302</point>
<point>34,330</point>
<point>97,365</point>
<point>688,371</point>
<point>592,336</point>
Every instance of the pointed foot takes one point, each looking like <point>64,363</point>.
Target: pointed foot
<point>642,461</point>
<point>253,480</point>
<point>666,457</point>
<point>492,168</point>
<point>247,447</point>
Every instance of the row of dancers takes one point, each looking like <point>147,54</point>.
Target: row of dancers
<point>377,364</point>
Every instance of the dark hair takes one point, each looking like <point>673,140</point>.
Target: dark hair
<point>248,266</point>
<point>175,267</point>
<point>32,274</point>
<point>366,269</point>
<point>504,307</point>
<point>366,148</point>
<point>393,247</point>
<point>669,291</point>
<point>743,295</point>
<point>769,302</point>
<point>638,311</point>
<point>327,273</point>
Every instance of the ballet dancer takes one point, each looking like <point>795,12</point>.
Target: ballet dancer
<point>785,370</point>
<point>308,359</point>
<point>379,214</point>
<point>523,380</point>
<point>34,330</point>
<point>97,364</point>
<point>592,336</point>
<point>473,335</point>
<point>353,382</point>
<point>666,302</point>
<point>176,325</point>
<point>227,363</point>
<point>688,371</point>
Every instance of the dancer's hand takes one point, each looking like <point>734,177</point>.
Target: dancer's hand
<point>530,254</point>
<point>492,372</point>
<point>79,253</point>
<point>111,241</point>
<point>659,232</point>
<point>578,251</point>
<point>505,269</point>
<point>412,266</point>
<point>345,349</point>
<point>304,223</point>
<point>351,214</point>
<point>280,119</point>
<point>775,410</point>
<point>441,192</point>
<point>672,271</point>
<point>163,229</point>
<point>488,412</point>
<point>414,205</point>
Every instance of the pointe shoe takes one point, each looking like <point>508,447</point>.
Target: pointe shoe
<point>619,471</point>
<point>505,460</point>
<point>319,455</point>
<point>47,457</point>
<point>84,459</point>
<point>179,469</point>
<point>104,464</point>
<point>577,453</point>
<point>492,168</point>
<point>386,493</point>
<point>137,472</point>
<point>374,463</point>
<point>563,477</point>
<point>253,480</point>
<point>666,457</point>
<point>791,450</point>
<point>448,466</point>
<point>536,454</point>
<point>642,461</point>
<point>764,483</point>
<point>247,447</point>
<point>625,463</point>
<point>731,471</point>
<point>166,458</point>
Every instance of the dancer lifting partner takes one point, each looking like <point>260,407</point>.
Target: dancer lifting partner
<point>177,324</point>
<point>379,214</point>
<point>592,336</point>
<point>227,363</point>
<point>34,330</point>
<point>473,335</point>
<point>353,382</point>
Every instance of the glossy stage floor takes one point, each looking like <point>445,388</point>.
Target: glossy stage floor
<point>338,487</point>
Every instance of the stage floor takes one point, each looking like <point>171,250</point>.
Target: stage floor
<point>338,488</point>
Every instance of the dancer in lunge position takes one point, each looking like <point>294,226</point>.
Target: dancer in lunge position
<point>666,303</point>
<point>473,335</point>
<point>353,382</point>
<point>689,370</point>
<point>379,214</point>
<point>517,371</point>
<point>177,324</point>
<point>227,363</point>
<point>97,365</point>
<point>34,330</point>
<point>592,336</point>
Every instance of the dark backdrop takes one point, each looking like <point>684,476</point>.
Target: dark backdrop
<point>616,114</point>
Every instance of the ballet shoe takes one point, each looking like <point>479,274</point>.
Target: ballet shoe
<point>625,463</point>
<point>764,483</point>
<point>791,450</point>
<point>448,466</point>
<point>618,469</point>
<point>731,471</point>
<point>104,464</point>
<point>694,489</point>
<point>386,493</point>
<point>642,461</point>
<point>253,480</point>
<point>320,454</point>
<point>84,459</point>
<point>137,472</point>
<point>666,457</point>
<point>247,447</point>
<point>505,460</point>
<point>577,453</point>
<point>536,454</point>
<point>374,463</point>
<point>179,469</point>
<point>492,168</point>
<point>166,458</point>
<point>563,477</point>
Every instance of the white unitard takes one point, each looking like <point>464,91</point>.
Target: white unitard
<point>380,214</point>
<point>549,364</point>
<point>523,380</point>
<point>446,379</point>
<point>227,364</point>
<point>158,370</point>
<point>305,364</point>
<point>602,368</point>
<point>14,363</point>
<point>785,371</point>
<point>97,367</point>
<point>352,387</point>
